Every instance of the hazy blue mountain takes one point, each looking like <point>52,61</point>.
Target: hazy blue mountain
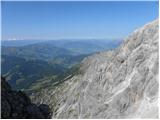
<point>75,46</point>
<point>16,43</point>
<point>35,51</point>
<point>60,51</point>
<point>86,46</point>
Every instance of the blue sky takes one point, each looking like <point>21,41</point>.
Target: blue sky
<point>74,20</point>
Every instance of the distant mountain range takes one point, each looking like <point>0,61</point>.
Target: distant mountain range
<point>17,43</point>
<point>25,62</point>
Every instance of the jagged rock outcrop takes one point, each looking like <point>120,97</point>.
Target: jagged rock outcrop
<point>16,104</point>
<point>122,83</point>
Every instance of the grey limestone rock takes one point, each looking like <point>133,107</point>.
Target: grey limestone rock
<point>121,83</point>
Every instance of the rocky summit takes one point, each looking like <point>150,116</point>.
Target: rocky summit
<point>16,104</point>
<point>121,83</point>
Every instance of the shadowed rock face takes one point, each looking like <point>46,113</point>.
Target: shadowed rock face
<point>122,83</point>
<point>15,104</point>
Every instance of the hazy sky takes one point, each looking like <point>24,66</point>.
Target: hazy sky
<point>69,20</point>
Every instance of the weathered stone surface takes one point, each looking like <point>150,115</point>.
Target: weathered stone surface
<point>122,83</point>
<point>16,104</point>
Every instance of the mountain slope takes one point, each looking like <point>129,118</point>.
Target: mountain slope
<point>26,62</point>
<point>122,83</point>
<point>22,73</point>
<point>66,52</point>
<point>36,51</point>
<point>16,104</point>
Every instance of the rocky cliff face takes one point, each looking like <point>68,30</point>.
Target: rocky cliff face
<point>122,83</point>
<point>16,104</point>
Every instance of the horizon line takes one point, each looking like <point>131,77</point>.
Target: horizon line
<point>66,39</point>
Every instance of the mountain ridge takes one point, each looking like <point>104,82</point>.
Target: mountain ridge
<point>121,83</point>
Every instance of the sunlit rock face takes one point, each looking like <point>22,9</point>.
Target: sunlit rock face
<point>122,83</point>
